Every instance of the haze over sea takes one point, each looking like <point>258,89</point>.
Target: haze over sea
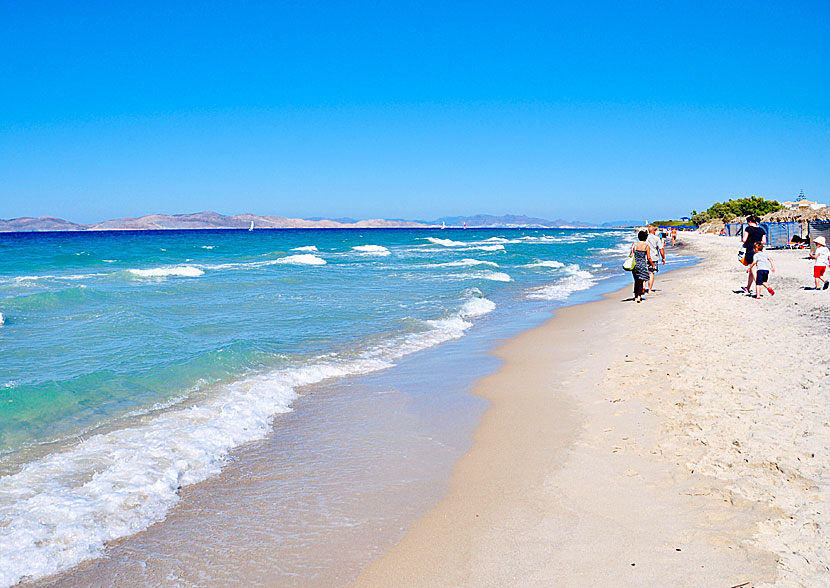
<point>135,362</point>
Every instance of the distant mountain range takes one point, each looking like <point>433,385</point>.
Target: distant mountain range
<point>508,220</point>
<point>198,220</point>
<point>213,220</point>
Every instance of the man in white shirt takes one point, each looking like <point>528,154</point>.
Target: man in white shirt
<point>658,252</point>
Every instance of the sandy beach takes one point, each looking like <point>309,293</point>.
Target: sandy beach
<point>679,442</point>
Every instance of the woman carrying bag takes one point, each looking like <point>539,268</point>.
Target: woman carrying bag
<point>642,264</point>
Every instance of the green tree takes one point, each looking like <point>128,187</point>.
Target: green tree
<point>728,210</point>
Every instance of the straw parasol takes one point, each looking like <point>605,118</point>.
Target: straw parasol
<point>799,215</point>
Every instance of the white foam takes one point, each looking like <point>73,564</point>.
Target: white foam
<point>2,319</point>
<point>445,242</point>
<point>207,246</point>
<point>442,330</point>
<point>372,250</point>
<point>311,248</point>
<point>486,248</point>
<point>466,263</point>
<point>187,271</point>
<point>496,276</point>
<point>576,280</point>
<point>487,275</point>
<point>65,507</point>
<point>549,239</point>
<point>302,259</point>
<point>72,277</point>
<point>547,263</point>
<point>477,307</point>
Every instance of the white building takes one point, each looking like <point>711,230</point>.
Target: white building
<point>799,204</point>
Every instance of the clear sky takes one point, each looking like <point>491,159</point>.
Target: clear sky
<point>581,110</point>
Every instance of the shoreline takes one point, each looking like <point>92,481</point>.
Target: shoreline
<point>604,461</point>
<point>210,500</point>
<point>121,552</point>
<point>589,462</point>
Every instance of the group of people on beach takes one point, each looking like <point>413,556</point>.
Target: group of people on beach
<point>760,265</point>
<point>648,251</point>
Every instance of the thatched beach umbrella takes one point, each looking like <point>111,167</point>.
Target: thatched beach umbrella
<point>803,214</point>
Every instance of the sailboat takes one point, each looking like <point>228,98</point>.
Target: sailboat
<point>251,227</point>
<point>443,225</point>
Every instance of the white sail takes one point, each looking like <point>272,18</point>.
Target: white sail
<point>252,226</point>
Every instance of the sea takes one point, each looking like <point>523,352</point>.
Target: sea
<point>327,369</point>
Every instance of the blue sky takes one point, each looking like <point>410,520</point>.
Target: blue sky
<point>584,111</point>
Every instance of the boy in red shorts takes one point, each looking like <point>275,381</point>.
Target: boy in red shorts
<point>822,257</point>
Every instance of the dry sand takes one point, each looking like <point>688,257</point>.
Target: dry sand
<point>684,441</point>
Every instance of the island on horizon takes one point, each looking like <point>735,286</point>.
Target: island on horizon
<point>214,220</point>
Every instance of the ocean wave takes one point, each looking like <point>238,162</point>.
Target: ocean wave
<point>69,277</point>
<point>466,263</point>
<point>576,280</point>
<point>486,275</point>
<point>550,239</point>
<point>187,271</point>
<point>207,246</point>
<point>440,330</point>
<point>545,263</point>
<point>372,250</point>
<point>302,259</point>
<point>445,242</point>
<point>63,300</point>
<point>477,306</point>
<point>66,506</point>
<point>498,247</point>
<point>311,248</point>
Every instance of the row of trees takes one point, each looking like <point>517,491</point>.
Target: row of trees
<point>728,210</point>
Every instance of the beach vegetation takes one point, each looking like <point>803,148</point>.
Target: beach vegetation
<point>672,223</point>
<point>741,207</point>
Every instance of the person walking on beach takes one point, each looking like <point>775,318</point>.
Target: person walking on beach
<point>673,236</point>
<point>642,264</point>
<point>822,257</point>
<point>656,249</point>
<point>752,234</point>
<point>762,266</point>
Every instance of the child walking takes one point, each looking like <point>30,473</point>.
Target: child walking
<point>822,257</point>
<point>762,263</point>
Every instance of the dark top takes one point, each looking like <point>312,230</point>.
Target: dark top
<point>754,235</point>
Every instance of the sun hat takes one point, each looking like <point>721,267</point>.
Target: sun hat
<point>821,241</point>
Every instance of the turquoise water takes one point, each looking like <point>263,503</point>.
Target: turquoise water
<point>131,363</point>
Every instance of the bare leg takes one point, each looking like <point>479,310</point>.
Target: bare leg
<point>750,279</point>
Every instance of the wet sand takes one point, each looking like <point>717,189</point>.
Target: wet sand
<point>678,442</point>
